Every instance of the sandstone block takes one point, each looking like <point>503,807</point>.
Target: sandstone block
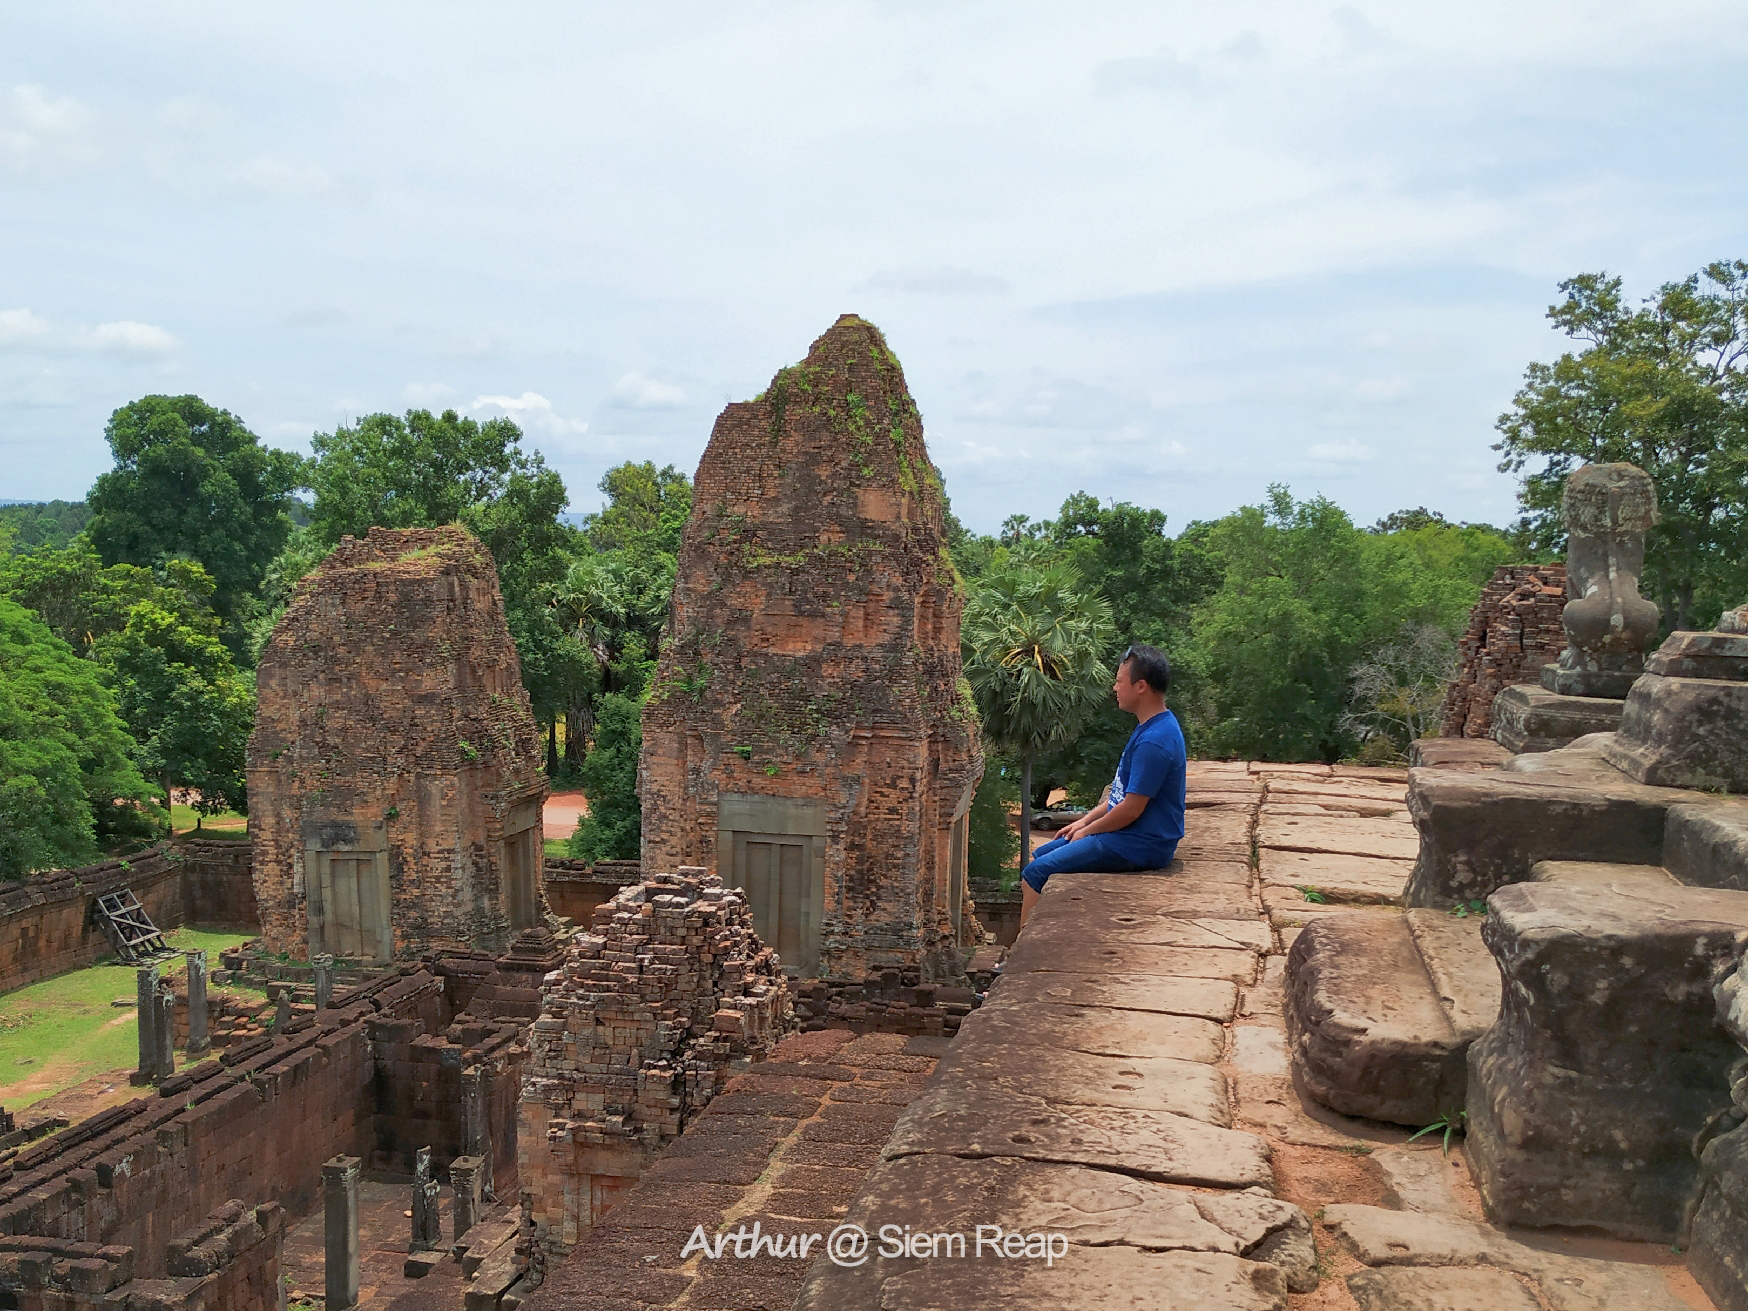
<point>1354,837</point>
<point>1586,1096</point>
<point>1482,831</point>
<point>1409,1289</point>
<point>1463,753</point>
<point>1357,880</point>
<point>1527,717</point>
<point>953,1120</point>
<point>1211,998</point>
<point>1684,732</point>
<point>1368,1034</point>
<point>1706,844</point>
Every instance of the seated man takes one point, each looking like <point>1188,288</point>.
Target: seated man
<point>1141,823</point>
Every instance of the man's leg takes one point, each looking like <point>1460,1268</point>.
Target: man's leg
<point>1028,893</point>
<point>1093,854</point>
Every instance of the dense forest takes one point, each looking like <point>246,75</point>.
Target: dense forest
<point>130,622</point>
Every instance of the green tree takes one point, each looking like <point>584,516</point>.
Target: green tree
<point>189,710</point>
<point>191,481</point>
<point>423,470</point>
<point>1304,594</point>
<point>66,780</point>
<point>82,600</point>
<point>646,509</point>
<point>613,828</point>
<point>994,844</point>
<point>1659,385</point>
<point>1033,644</point>
<point>44,524</point>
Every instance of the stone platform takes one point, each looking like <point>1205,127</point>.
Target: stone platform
<point>1528,717</point>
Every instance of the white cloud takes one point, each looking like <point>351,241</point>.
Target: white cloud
<point>44,134</point>
<point>428,395</point>
<point>1382,389</point>
<point>1161,72</point>
<point>639,391</point>
<point>939,282</point>
<point>283,179</point>
<point>21,330</point>
<point>128,338</point>
<point>533,411</point>
<point>1348,452</point>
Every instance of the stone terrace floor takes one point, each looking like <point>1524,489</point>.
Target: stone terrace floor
<point>1126,1086</point>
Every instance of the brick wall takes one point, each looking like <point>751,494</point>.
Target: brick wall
<point>47,922</point>
<point>1514,629</point>
<point>256,1124</point>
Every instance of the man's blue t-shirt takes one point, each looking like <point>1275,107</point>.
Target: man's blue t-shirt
<point>1153,767</point>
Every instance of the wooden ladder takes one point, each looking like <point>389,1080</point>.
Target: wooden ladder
<point>130,929</point>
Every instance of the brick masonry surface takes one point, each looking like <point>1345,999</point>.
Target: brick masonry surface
<point>814,657</point>
<point>393,725</point>
<point>1514,629</point>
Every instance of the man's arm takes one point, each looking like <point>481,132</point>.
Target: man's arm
<point>1074,830</point>
<point>1123,814</point>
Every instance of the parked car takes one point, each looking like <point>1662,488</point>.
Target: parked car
<point>1057,817</point>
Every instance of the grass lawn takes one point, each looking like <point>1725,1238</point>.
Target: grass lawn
<point>555,848</point>
<point>226,824</point>
<point>63,1030</point>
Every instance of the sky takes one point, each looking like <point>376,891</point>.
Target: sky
<point>1166,253</point>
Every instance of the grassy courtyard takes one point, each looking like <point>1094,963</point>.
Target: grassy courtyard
<point>64,1030</point>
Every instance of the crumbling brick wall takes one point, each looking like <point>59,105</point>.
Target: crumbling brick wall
<point>1514,629</point>
<point>230,1262</point>
<point>47,924</point>
<point>813,657</point>
<point>255,1124</point>
<point>635,1035</point>
<point>393,730</point>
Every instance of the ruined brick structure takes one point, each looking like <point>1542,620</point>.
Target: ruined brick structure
<point>636,1033</point>
<point>809,735</point>
<point>1514,629</point>
<point>395,781</point>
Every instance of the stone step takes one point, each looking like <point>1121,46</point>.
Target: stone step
<point>1705,845</point>
<point>1381,1010</point>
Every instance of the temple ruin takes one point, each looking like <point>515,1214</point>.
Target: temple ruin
<point>395,779</point>
<point>1564,980</point>
<point>1514,630</point>
<point>809,736</point>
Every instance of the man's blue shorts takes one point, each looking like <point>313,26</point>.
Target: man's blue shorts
<point>1093,854</point>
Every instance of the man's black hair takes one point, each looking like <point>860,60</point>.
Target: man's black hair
<point>1148,663</point>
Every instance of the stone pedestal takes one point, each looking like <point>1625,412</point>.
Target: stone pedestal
<point>1686,720</point>
<point>1531,718</point>
<point>340,1231</point>
<point>323,967</point>
<point>1586,1096</point>
<point>1718,1242</point>
<point>165,1031</point>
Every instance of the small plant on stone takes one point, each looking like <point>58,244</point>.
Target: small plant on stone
<point>1450,1124</point>
<point>1463,909</point>
<point>1311,893</point>
<point>467,749</point>
<point>771,771</point>
<point>393,812</point>
<point>745,753</point>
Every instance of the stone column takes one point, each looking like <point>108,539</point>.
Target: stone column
<point>199,1043</point>
<point>146,1008</point>
<point>476,1131</point>
<point>427,1225</point>
<point>466,1177</point>
<point>340,1231</point>
<point>324,966</point>
<point>282,1010</point>
<point>1718,1216</point>
<point>166,1031</point>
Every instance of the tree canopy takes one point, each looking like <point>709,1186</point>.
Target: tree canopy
<point>191,481</point>
<point>67,783</point>
<point>1659,385</point>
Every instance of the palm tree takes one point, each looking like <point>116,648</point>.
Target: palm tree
<point>1032,642</point>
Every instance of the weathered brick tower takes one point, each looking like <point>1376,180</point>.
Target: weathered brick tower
<point>809,735</point>
<point>395,783</point>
